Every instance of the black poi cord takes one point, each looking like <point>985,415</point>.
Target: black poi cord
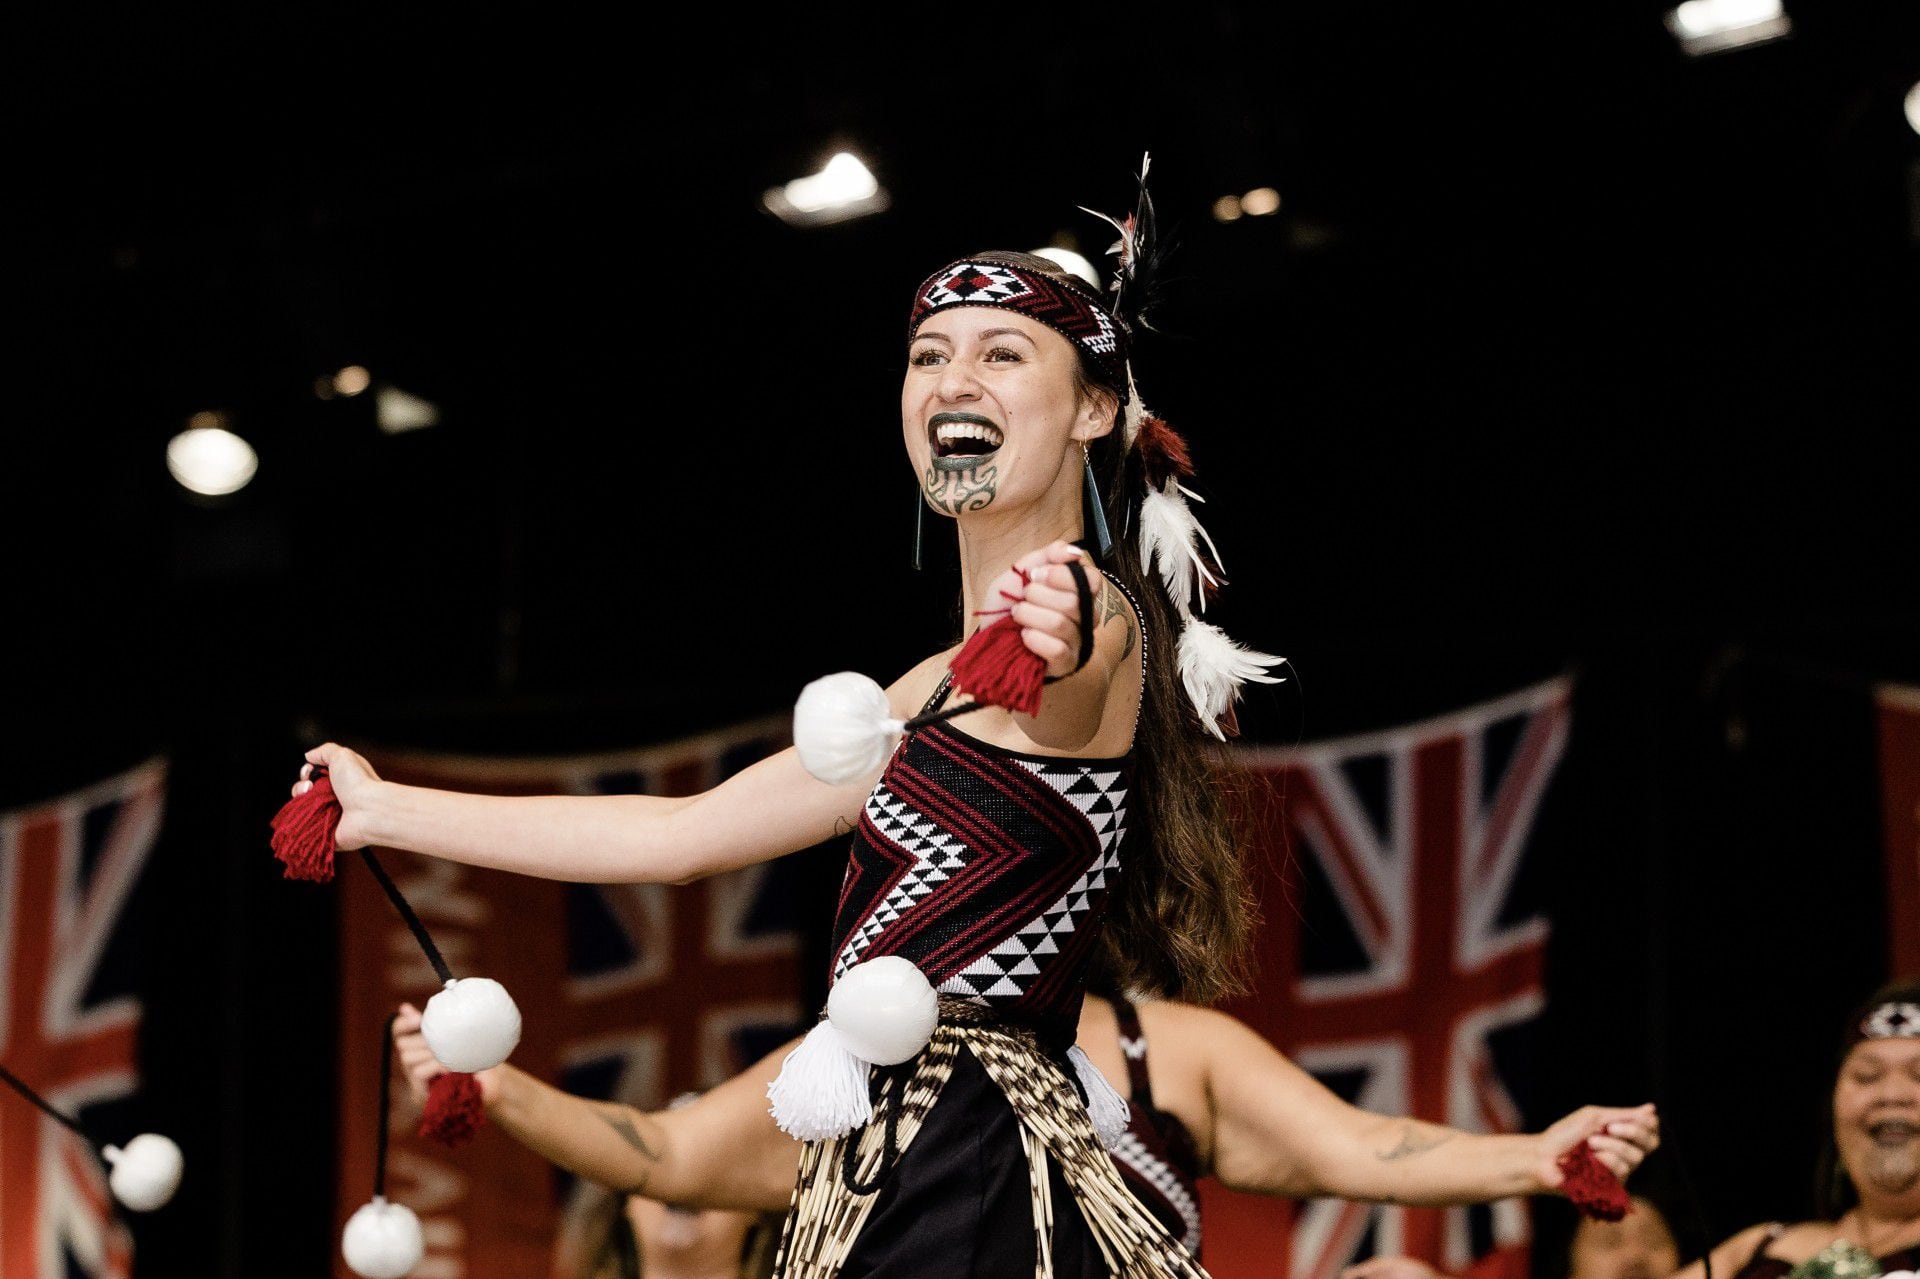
<point>1083,589</point>
<point>64,1120</point>
<point>400,904</point>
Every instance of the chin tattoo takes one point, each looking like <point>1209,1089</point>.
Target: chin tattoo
<point>955,492</point>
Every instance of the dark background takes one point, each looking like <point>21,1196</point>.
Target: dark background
<point>1565,351</point>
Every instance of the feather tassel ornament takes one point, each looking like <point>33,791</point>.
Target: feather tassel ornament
<point>1169,544</point>
<point>1213,667</point>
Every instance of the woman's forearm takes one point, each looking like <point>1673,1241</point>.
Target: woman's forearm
<point>612,1144</point>
<point>1408,1161</point>
<point>583,838</point>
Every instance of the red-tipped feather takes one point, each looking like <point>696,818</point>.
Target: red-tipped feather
<point>454,1111</point>
<point>1591,1185</point>
<point>996,666</point>
<point>1163,453</point>
<point>303,833</point>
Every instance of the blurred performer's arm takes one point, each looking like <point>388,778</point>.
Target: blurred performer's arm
<point>721,1151</point>
<point>1277,1130</point>
<point>1730,1256</point>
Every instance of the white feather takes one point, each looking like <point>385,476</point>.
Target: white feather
<point>1213,667</point>
<point>1135,414</point>
<point>1168,545</point>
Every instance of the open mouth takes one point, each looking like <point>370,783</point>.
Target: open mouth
<point>961,440</point>
<point>1892,1132</point>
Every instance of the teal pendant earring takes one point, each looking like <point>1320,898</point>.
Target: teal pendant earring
<point>1102,539</point>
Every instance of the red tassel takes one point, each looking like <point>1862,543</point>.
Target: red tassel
<point>1163,453</point>
<point>454,1111</point>
<point>996,667</point>
<point>1591,1185</point>
<point>303,832</point>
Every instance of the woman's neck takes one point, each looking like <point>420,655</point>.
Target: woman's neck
<point>1887,1224</point>
<point>988,547</point>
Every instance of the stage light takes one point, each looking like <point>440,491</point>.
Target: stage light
<point>1261,202</point>
<point>208,459</point>
<point>352,380</point>
<point>1227,209</point>
<point>1710,26</point>
<point>1913,108</point>
<point>845,189</point>
<point>398,412</point>
<point>1070,260</point>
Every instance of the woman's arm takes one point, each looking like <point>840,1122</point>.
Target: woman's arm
<point>772,808</point>
<point>721,1151</point>
<point>1279,1131</point>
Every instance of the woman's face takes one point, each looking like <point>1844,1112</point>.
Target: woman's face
<point>1639,1246</point>
<point>686,1238</point>
<point>991,411</point>
<point>1876,1116</point>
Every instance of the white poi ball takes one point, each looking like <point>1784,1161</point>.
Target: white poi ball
<point>382,1240</point>
<point>144,1174</point>
<point>472,1025</point>
<point>843,727</point>
<point>884,1009</point>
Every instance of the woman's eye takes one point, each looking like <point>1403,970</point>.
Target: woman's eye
<point>999,351</point>
<point>923,357</point>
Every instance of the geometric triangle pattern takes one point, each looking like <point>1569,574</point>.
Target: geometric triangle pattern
<point>989,869</point>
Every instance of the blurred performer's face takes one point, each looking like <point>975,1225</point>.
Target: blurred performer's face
<point>1638,1247</point>
<point>989,407</point>
<point>683,1241</point>
<point>1876,1116</point>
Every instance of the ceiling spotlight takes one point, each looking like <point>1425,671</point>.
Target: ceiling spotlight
<point>1260,202</point>
<point>352,380</point>
<point>1913,108</point>
<point>209,459</point>
<point>1712,26</point>
<point>845,189</point>
<point>398,412</point>
<point>1227,209</point>
<point>1070,260</point>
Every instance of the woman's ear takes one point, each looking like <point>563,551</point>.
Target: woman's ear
<point>1099,408</point>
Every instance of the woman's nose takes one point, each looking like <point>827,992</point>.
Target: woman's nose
<point>957,382</point>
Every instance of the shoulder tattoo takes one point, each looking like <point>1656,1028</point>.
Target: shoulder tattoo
<point>1111,605</point>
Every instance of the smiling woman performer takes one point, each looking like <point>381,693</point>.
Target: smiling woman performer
<point>997,858</point>
<point>1870,1188</point>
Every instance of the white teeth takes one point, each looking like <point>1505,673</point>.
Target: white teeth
<point>950,432</point>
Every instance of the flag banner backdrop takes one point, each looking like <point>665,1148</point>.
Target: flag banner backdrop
<point>69,1014</point>
<point>1899,715</point>
<point>634,992</point>
<point>1395,964</point>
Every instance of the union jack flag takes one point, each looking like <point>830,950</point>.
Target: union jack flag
<point>1408,975</point>
<point>68,1018</point>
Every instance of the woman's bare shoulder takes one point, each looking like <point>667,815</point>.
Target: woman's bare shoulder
<point>910,692</point>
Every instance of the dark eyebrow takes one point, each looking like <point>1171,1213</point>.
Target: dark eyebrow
<point>995,333</point>
<point>938,337</point>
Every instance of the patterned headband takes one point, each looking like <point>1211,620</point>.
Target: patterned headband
<point>1072,312</point>
<point>1890,1021</point>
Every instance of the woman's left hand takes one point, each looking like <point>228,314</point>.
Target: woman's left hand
<point>1045,604</point>
<point>1618,1136</point>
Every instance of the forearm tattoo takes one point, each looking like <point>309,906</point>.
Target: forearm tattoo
<point>1413,1142</point>
<point>1112,606</point>
<point>616,1118</point>
<point>957,491</point>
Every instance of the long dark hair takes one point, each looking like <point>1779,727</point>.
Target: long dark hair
<point>1834,1193</point>
<point>1181,914</point>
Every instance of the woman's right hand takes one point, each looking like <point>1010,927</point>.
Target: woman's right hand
<point>422,1067</point>
<point>351,776</point>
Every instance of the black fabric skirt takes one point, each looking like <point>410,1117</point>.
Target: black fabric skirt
<point>959,1203</point>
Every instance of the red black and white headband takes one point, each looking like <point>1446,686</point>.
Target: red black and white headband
<point>1073,313</point>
